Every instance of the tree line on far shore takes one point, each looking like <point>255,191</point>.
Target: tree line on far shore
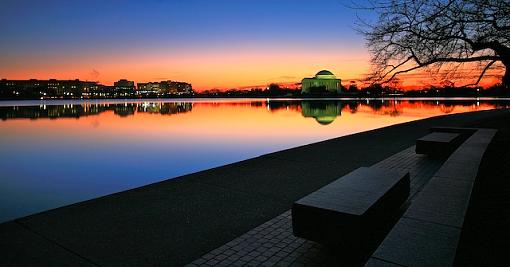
<point>372,90</point>
<point>351,91</point>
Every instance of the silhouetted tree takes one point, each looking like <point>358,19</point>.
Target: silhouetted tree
<point>395,84</point>
<point>375,89</point>
<point>274,88</point>
<point>353,87</point>
<point>438,34</point>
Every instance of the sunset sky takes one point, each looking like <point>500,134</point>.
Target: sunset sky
<point>209,43</point>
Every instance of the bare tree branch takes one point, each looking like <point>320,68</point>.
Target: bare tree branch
<point>484,71</point>
<point>437,34</point>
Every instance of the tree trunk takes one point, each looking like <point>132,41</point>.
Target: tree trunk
<point>505,59</point>
<point>504,53</point>
<point>506,77</point>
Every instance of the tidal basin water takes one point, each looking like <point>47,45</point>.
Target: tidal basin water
<point>54,153</point>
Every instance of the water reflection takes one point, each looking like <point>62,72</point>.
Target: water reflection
<point>164,108</point>
<point>323,111</point>
<point>83,110</point>
<point>57,153</point>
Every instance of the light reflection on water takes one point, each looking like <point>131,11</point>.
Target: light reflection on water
<point>57,153</point>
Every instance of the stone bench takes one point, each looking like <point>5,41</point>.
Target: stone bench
<point>464,131</point>
<point>438,143</point>
<point>428,233</point>
<point>343,212</point>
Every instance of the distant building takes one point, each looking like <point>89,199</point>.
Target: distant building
<point>52,88</point>
<point>165,88</point>
<point>324,81</point>
<point>148,88</point>
<point>176,88</point>
<point>92,89</point>
<point>124,87</point>
<point>47,88</point>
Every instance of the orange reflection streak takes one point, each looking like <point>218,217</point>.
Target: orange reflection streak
<point>231,122</point>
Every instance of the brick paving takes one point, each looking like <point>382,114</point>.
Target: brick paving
<point>273,244</point>
<point>420,167</point>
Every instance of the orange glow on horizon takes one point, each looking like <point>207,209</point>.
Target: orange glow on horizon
<point>241,68</point>
<point>216,68</point>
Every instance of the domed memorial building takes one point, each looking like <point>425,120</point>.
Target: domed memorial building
<point>324,81</point>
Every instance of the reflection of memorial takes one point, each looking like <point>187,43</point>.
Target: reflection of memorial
<point>324,112</point>
<point>77,111</point>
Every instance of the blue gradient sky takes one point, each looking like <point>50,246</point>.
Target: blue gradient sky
<point>210,43</point>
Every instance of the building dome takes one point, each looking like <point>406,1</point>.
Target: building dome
<point>325,120</point>
<point>325,74</point>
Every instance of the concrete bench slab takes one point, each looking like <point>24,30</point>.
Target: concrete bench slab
<point>460,130</point>
<point>456,169</point>
<point>418,243</point>
<point>343,212</point>
<point>437,143</point>
<point>443,201</point>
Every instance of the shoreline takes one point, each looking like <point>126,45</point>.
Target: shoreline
<point>177,220</point>
<point>35,102</point>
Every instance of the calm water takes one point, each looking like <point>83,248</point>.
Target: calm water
<point>58,153</point>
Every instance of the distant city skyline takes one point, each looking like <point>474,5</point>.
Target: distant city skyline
<point>211,44</point>
<point>217,44</point>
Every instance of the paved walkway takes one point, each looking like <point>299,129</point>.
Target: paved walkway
<point>273,244</point>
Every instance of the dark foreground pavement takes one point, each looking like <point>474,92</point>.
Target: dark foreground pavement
<point>175,221</point>
<point>485,240</point>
